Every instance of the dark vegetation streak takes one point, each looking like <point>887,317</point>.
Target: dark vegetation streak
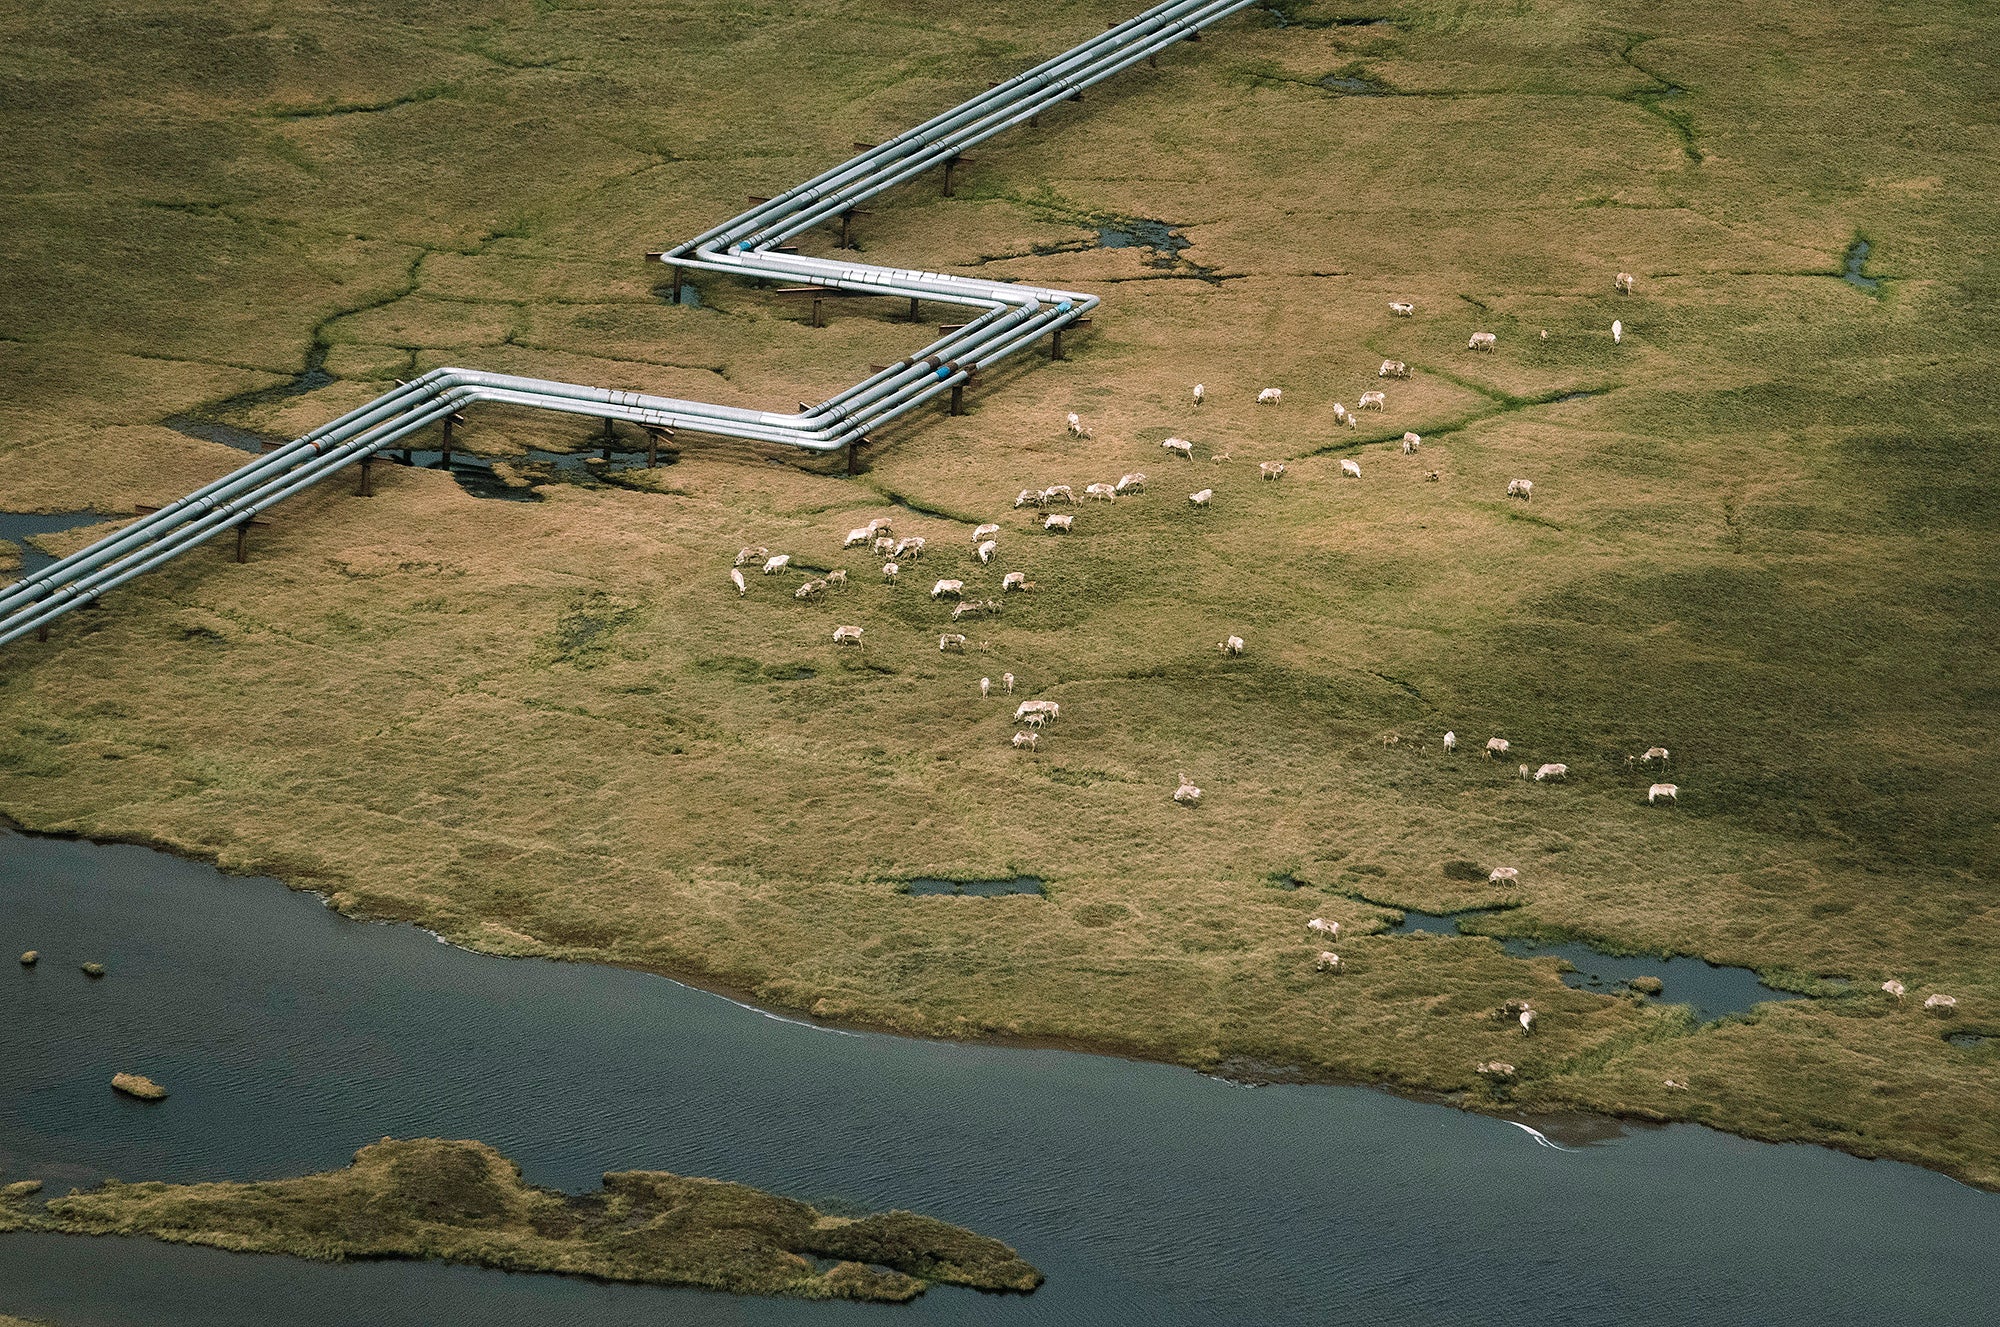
<point>1654,99</point>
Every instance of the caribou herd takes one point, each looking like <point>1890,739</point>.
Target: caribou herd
<point>1032,717</point>
<point>879,537</point>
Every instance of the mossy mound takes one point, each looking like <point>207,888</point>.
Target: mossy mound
<point>464,1202</point>
<point>138,1085</point>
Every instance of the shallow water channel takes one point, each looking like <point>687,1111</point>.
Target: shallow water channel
<point>1711,988</point>
<point>18,526</point>
<point>289,1036</point>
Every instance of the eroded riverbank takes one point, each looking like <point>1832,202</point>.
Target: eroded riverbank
<point>291,1035</point>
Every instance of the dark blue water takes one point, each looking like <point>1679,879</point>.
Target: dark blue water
<point>1712,989</point>
<point>17,526</point>
<point>289,1036</point>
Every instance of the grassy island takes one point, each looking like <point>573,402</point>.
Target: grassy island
<point>1762,532</point>
<point>463,1202</point>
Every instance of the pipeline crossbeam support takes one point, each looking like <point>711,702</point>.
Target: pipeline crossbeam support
<point>1002,319</point>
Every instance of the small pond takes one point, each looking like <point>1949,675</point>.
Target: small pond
<point>1713,990</point>
<point>1350,85</point>
<point>1137,233</point>
<point>1857,258</point>
<point>1020,884</point>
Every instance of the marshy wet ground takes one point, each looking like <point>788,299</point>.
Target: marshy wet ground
<point>1353,85</point>
<point>1857,258</point>
<point>1020,884</point>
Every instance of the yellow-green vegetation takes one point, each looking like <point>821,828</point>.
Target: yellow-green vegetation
<point>13,1213</point>
<point>138,1085</point>
<point>463,1202</point>
<point>1765,542</point>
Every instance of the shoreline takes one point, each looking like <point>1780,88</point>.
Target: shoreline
<point>1582,1121</point>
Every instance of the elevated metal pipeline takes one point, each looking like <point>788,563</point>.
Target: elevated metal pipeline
<point>1009,318</point>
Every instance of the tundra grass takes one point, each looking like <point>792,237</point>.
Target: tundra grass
<point>1762,532</point>
<point>463,1202</point>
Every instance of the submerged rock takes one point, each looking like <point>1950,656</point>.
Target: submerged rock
<point>93,970</point>
<point>138,1085</point>
<point>31,957</point>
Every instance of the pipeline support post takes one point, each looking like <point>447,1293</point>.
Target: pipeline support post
<point>950,165</point>
<point>655,434</point>
<point>958,399</point>
<point>610,437</point>
<point>449,420</point>
<point>368,475</point>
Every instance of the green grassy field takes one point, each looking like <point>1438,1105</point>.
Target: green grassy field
<point>1765,541</point>
<point>463,1202</point>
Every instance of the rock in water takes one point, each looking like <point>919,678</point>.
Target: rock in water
<point>1648,985</point>
<point>138,1085</point>
<point>93,970</point>
<point>32,957</point>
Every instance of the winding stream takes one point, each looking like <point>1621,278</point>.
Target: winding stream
<point>289,1036</point>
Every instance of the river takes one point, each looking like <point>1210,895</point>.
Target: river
<point>289,1036</point>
